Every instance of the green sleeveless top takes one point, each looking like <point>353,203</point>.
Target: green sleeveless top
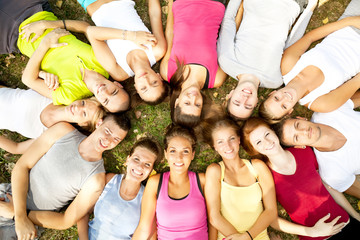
<point>65,62</point>
<point>241,206</point>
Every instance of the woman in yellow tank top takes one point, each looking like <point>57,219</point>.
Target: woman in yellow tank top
<point>240,194</point>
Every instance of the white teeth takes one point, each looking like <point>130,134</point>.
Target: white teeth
<point>137,172</point>
<point>271,146</point>
<point>102,144</point>
<point>230,151</point>
<point>178,164</point>
<point>246,91</point>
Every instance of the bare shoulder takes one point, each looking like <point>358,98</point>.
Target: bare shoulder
<point>213,169</point>
<point>108,177</point>
<point>260,166</point>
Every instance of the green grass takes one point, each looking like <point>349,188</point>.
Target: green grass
<point>153,120</point>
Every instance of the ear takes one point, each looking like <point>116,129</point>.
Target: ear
<point>84,124</point>
<point>300,146</point>
<point>99,122</point>
<point>193,155</point>
<point>165,154</point>
<point>229,95</point>
<point>127,159</point>
<point>118,84</point>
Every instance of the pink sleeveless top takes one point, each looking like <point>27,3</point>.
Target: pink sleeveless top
<point>196,26</point>
<point>181,218</point>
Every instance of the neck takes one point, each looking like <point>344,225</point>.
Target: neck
<point>196,76</point>
<point>300,86</point>
<point>282,162</point>
<point>88,152</point>
<point>89,79</point>
<point>235,163</point>
<point>178,178</point>
<point>52,114</point>
<point>137,60</point>
<point>129,188</point>
<point>330,140</point>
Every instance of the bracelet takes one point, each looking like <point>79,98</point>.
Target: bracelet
<point>64,24</point>
<point>124,34</point>
<point>249,235</point>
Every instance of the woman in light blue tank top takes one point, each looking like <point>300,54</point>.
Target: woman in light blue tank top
<point>117,211</point>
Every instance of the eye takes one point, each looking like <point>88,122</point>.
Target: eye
<point>115,92</point>
<point>107,131</point>
<point>267,134</point>
<point>147,165</point>
<point>284,107</point>
<point>84,114</point>
<point>187,103</point>
<point>198,105</point>
<point>83,102</point>
<point>232,138</point>
<point>106,102</point>
<point>136,159</point>
<point>172,151</point>
<point>143,89</point>
<point>258,142</point>
<point>154,82</point>
<point>276,98</point>
<point>219,142</point>
<point>186,151</point>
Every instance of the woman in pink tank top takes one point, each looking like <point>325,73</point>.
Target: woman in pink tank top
<point>175,198</point>
<point>190,63</point>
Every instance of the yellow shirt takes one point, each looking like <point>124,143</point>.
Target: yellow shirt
<point>65,62</point>
<point>241,206</point>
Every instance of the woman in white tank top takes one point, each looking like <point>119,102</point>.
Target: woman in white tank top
<point>30,114</point>
<point>126,48</point>
<point>323,78</point>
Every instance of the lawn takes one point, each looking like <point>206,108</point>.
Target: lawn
<point>146,120</point>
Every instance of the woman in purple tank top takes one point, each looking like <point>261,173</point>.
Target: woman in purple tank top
<point>175,198</point>
<point>190,62</point>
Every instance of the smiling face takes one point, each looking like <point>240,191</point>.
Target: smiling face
<point>111,95</point>
<point>190,101</point>
<point>140,164</point>
<point>226,142</point>
<point>108,135</point>
<point>82,111</point>
<point>149,86</point>
<point>300,132</point>
<point>264,140</point>
<point>179,154</point>
<point>243,99</point>
<point>281,102</point>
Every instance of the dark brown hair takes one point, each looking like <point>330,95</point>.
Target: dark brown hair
<point>150,144</point>
<point>178,131</point>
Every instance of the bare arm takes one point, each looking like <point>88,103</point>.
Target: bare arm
<point>213,201</point>
<point>293,53</point>
<point>318,230</point>
<point>30,76</point>
<point>169,34</point>
<point>157,28</point>
<point>343,202</point>
<point>337,97</point>
<point>20,175</point>
<point>15,147</point>
<point>148,207</point>
<point>268,196</point>
<point>83,227</point>
<point>80,206</point>
<point>356,99</point>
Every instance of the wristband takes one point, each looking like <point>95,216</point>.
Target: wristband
<point>249,235</point>
<point>64,24</point>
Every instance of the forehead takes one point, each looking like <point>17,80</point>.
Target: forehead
<point>179,142</point>
<point>223,132</point>
<point>145,154</point>
<point>258,132</point>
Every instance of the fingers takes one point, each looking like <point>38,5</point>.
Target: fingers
<point>51,81</point>
<point>9,197</point>
<point>326,217</point>
<point>334,221</point>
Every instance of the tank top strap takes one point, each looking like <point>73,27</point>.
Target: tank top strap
<point>222,168</point>
<point>251,168</point>
<point>159,185</point>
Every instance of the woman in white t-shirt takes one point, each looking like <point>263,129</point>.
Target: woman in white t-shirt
<point>30,114</point>
<point>323,78</point>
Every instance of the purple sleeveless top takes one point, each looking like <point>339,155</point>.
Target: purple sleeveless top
<point>196,26</point>
<point>181,218</point>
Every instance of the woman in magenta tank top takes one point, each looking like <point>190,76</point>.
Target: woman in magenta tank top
<point>317,211</point>
<point>190,63</point>
<point>175,198</point>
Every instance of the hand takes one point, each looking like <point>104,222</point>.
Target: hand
<point>7,208</point>
<point>51,40</point>
<point>37,28</point>
<point>24,228</point>
<point>141,38</point>
<point>321,228</point>
<point>51,80</point>
<point>237,236</point>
